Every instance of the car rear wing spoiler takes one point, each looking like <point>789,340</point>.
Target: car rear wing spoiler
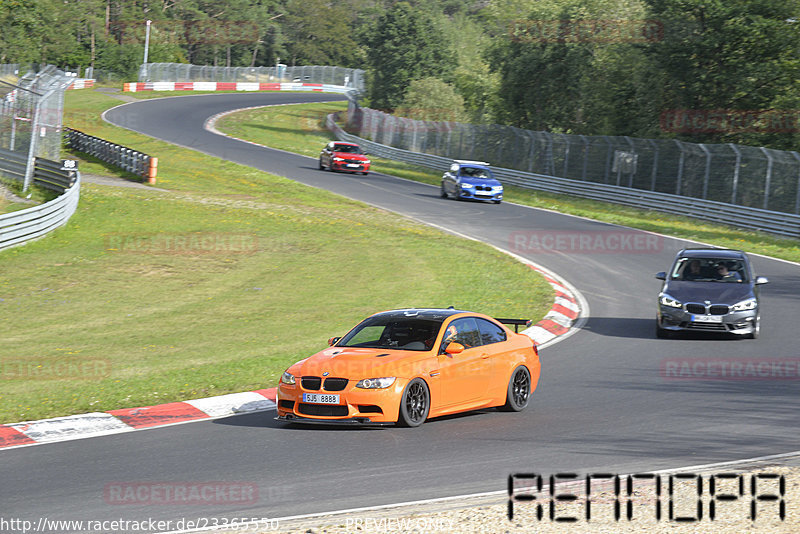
<point>516,322</point>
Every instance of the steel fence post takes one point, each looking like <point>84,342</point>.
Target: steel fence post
<point>566,155</point>
<point>532,151</point>
<point>13,129</point>
<point>655,165</point>
<point>736,167</point>
<point>608,159</point>
<point>707,169</point>
<point>633,167</point>
<point>797,202</point>
<point>549,166</point>
<point>768,177</point>
<point>31,163</point>
<point>680,167</point>
<point>585,157</point>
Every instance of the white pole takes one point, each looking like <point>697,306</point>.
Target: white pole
<point>147,40</point>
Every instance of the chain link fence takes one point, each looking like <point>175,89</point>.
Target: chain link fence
<point>182,72</point>
<point>31,111</point>
<point>735,174</point>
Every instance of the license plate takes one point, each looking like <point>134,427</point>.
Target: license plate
<point>318,398</point>
<point>353,165</point>
<point>707,318</point>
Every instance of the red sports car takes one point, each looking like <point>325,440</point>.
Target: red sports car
<point>341,156</point>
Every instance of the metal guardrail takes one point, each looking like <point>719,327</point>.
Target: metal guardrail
<point>125,158</point>
<point>46,173</point>
<point>19,227</point>
<point>784,224</point>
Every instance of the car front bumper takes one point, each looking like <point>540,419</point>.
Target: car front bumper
<point>349,167</point>
<point>356,405</point>
<point>674,319</point>
<point>480,195</point>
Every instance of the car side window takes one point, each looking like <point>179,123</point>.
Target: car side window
<point>490,332</point>
<point>464,331</point>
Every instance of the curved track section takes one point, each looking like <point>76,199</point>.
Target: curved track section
<point>603,403</point>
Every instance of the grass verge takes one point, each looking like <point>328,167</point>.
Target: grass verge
<point>216,285</point>
<point>273,127</point>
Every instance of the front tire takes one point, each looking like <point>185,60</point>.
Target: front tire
<point>321,166</point>
<point>756,330</point>
<point>443,193</point>
<point>414,404</point>
<point>519,390</point>
<point>661,333</point>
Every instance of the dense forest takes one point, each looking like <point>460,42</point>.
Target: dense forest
<point>699,70</point>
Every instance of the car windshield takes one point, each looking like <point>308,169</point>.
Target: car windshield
<point>349,149</point>
<point>709,270</point>
<point>475,172</point>
<point>394,332</point>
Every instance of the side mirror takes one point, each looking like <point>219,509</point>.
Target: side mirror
<point>333,341</point>
<point>761,280</point>
<point>454,348</point>
<point>661,275</point>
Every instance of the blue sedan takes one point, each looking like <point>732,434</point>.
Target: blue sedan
<point>471,180</point>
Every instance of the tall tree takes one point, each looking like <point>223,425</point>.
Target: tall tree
<point>320,32</point>
<point>726,54</point>
<point>406,44</point>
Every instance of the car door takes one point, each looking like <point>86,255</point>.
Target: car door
<point>464,376</point>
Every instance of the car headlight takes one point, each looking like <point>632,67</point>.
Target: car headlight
<point>497,188</point>
<point>467,186</point>
<point>287,378</point>
<point>666,300</point>
<point>376,383</point>
<point>367,162</point>
<point>749,304</point>
<point>337,158</point>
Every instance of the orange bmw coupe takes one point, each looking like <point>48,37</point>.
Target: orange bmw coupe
<point>404,366</point>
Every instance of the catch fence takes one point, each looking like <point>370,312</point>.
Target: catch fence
<point>31,111</point>
<point>182,72</point>
<point>754,177</point>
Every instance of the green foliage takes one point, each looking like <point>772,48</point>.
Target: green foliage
<point>731,54</point>
<point>708,55</point>
<point>431,99</point>
<point>321,33</point>
<point>406,44</point>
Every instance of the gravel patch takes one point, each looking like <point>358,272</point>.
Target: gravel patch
<point>489,513</point>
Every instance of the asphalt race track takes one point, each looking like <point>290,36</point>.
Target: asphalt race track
<point>603,403</point>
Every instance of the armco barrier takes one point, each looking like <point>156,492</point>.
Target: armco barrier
<point>235,86</point>
<point>22,226</point>
<point>785,224</point>
<point>46,173</point>
<point>127,159</point>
